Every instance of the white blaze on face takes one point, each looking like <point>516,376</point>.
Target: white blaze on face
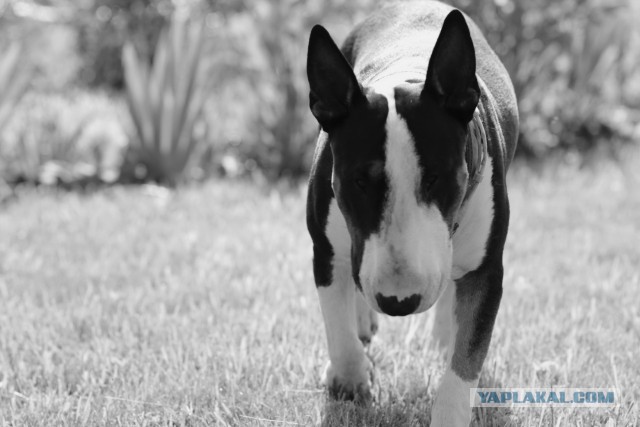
<point>412,252</point>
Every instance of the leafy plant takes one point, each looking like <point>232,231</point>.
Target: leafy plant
<point>69,139</point>
<point>13,82</point>
<point>104,26</point>
<point>268,44</point>
<point>44,143</point>
<point>166,99</point>
<point>52,158</point>
<point>573,66</point>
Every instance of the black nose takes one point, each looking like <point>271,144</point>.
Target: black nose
<point>393,307</point>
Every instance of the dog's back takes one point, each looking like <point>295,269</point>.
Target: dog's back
<point>401,36</point>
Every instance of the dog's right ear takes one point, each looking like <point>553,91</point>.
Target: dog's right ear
<point>451,76</point>
<point>334,88</point>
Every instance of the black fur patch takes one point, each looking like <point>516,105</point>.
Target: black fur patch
<point>357,146</point>
<point>318,201</point>
<point>440,141</point>
<point>360,182</point>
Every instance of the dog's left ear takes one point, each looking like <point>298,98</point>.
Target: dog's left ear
<point>451,77</point>
<point>334,88</point>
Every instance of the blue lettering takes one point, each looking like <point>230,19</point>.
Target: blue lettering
<point>493,397</point>
<point>546,397</point>
<point>608,398</point>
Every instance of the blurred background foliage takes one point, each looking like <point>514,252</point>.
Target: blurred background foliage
<point>244,104</point>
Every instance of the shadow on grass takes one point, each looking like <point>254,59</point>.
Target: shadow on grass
<point>388,414</point>
<point>412,409</point>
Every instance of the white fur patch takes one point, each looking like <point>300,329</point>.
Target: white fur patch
<point>412,252</point>
<point>348,368</point>
<point>367,319</point>
<point>443,319</point>
<point>338,235</point>
<point>470,240</point>
<point>338,305</point>
<point>451,407</point>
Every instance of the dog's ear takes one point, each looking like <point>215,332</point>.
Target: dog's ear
<point>451,77</point>
<point>334,88</point>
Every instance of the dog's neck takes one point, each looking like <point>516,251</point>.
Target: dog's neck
<point>475,152</point>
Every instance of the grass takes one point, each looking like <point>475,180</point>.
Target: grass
<point>142,306</point>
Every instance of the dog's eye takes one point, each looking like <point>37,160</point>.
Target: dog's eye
<point>429,181</point>
<point>361,183</point>
<point>366,177</point>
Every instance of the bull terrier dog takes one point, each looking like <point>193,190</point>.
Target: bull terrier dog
<point>407,203</point>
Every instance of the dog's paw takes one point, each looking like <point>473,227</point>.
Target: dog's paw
<point>449,414</point>
<point>451,407</point>
<point>352,382</point>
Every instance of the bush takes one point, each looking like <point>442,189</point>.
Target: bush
<point>165,102</point>
<point>68,140</point>
<point>13,82</point>
<point>267,44</point>
<point>104,28</point>
<point>573,65</point>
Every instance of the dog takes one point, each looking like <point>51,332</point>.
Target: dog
<point>407,200</point>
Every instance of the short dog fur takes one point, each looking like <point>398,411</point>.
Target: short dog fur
<point>407,204</point>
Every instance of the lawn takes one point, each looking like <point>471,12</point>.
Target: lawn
<point>144,306</point>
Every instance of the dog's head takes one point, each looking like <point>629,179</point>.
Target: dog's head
<point>399,171</point>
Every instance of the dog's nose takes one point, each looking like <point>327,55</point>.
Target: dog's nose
<point>394,307</point>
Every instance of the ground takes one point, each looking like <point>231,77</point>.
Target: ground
<point>144,306</point>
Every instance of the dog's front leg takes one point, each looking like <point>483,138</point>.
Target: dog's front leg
<point>348,375</point>
<point>476,302</point>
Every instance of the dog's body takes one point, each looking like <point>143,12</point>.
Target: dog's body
<point>407,197</point>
